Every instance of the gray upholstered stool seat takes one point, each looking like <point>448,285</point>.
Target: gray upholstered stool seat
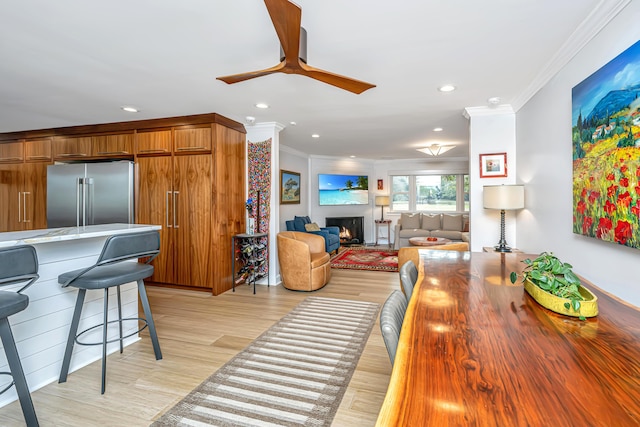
<point>115,267</point>
<point>391,319</point>
<point>18,264</point>
<point>108,276</point>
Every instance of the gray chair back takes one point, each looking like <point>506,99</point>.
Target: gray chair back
<point>18,264</point>
<point>408,278</point>
<point>391,318</point>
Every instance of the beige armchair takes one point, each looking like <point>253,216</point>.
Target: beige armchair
<point>304,263</point>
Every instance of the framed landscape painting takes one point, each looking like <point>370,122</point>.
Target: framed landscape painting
<point>606,151</point>
<point>289,187</point>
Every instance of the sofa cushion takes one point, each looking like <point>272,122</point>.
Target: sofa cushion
<point>447,234</point>
<point>452,222</point>
<point>410,221</point>
<point>413,232</point>
<point>430,222</point>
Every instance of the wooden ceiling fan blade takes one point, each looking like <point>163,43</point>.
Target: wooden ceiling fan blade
<point>287,18</point>
<point>343,82</point>
<point>236,78</point>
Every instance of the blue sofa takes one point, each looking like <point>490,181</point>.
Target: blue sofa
<point>331,234</point>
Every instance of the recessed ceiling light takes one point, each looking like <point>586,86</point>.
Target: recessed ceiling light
<point>262,105</point>
<point>353,157</point>
<point>130,109</point>
<point>292,123</point>
<point>315,135</point>
<point>437,129</point>
<point>447,88</point>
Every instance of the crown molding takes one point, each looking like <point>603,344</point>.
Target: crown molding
<point>487,111</point>
<point>293,151</point>
<point>599,17</point>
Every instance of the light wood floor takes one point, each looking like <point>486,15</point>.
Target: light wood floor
<point>198,334</point>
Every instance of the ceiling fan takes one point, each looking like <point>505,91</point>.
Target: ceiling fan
<point>286,17</point>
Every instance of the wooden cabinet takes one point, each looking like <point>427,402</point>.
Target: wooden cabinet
<point>11,152</point>
<point>188,139</point>
<point>72,147</point>
<point>23,186</point>
<point>112,145</point>
<point>176,192</point>
<point>153,142</point>
<point>37,150</point>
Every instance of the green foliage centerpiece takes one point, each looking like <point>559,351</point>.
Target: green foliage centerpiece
<point>554,285</point>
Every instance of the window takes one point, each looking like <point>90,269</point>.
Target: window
<point>430,193</point>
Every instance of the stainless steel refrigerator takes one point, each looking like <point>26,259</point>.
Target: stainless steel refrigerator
<point>80,194</point>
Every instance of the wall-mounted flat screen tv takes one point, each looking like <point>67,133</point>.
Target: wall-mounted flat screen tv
<point>343,189</point>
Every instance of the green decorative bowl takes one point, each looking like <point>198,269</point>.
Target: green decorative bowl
<point>588,307</point>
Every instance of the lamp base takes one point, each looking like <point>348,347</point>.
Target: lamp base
<point>502,244</point>
<point>500,248</point>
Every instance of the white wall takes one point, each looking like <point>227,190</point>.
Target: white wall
<point>544,166</point>
<point>294,161</point>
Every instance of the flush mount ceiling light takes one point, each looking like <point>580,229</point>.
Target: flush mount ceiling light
<point>315,135</point>
<point>447,88</point>
<point>262,105</point>
<point>130,109</point>
<point>435,149</point>
<point>438,129</point>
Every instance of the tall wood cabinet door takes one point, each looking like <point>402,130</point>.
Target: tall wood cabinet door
<point>11,196</point>
<point>192,201</point>
<point>153,206</point>
<point>34,199</point>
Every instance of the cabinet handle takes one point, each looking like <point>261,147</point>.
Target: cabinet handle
<point>191,148</point>
<point>175,208</point>
<point>166,205</point>
<point>72,155</point>
<point>38,158</point>
<point>24,206</point>
<point>10,159</point>
<point>19,208</point>
<point>152,151</point>
<point>106,153</point>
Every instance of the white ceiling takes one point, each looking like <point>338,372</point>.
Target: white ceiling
<point>76,62</point>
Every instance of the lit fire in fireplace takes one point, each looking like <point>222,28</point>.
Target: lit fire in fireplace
<point>345,234</point>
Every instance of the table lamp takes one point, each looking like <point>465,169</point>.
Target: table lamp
<point>503,197</point>
<point>382,201</point>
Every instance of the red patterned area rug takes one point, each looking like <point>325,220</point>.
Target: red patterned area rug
<point>361,258</point>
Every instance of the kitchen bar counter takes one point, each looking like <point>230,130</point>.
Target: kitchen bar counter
<point>41,330</point>
<point>476,350</point>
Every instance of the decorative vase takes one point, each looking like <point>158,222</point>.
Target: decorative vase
<point>588,307</point>
<point>251,225</point>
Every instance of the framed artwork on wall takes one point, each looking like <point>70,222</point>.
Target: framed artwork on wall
<point>493,165</point>
<point>289,187</point>
<point>605,130</point>
<point>380,185</point>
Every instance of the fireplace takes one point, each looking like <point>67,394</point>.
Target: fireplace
<point>351,229</point>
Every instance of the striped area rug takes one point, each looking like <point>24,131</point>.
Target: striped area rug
<point>294,374</point>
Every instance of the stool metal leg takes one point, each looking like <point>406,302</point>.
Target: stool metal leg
<point>120,317</point>
<point>105,326</point>
<point>17,373</point>
<point>144,300</point>
<point>73,330</point>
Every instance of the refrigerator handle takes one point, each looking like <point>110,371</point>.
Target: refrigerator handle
<point>166,207</point>
<point>78,185</point>
<point>175,208</point>
<point>19,207</point>
<point>24,206</point>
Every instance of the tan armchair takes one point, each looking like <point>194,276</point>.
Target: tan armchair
<point>304,263</point>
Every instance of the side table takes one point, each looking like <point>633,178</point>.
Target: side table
<point>383,223</point>
<point>252,254</point>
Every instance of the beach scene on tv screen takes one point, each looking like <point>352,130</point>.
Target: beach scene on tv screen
<point>343,189</point>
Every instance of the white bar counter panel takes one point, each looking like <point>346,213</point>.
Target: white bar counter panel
<point>42,329</point>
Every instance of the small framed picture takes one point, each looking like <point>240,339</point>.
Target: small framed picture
<point>289,187</point>
<point>380,185</point>
<point>493,165</point>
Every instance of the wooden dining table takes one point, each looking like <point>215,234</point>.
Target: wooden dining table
<point>477,350</point>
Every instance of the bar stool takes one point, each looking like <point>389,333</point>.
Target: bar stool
<point>111,271</point>
<point>18,264</point>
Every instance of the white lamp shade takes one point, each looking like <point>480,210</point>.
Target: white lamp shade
<point>503,197</point>
<point>382,200</point>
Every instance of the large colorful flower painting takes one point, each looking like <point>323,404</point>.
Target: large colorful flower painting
<point>606,151</point>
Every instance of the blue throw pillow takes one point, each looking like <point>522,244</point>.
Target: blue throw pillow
<point>298,224</point>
